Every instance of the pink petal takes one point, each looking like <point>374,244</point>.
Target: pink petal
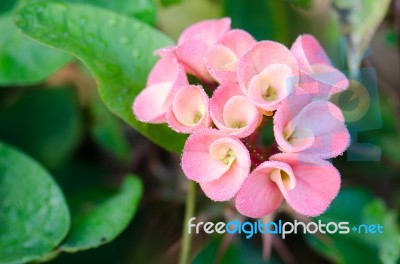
<point>151,103</point>
<point>222,59</point>
<point>225,187</point>
<point>187,116</point>
<point>275,82</point>
<point>165,79</point>
<point>259,57</point>
<point>308,51</point>
<point>317,183</point>
<point>207,30</point>
<point>259,195</point>
<point>317,129</point>
<point>232,112</point>
<point>167,70</point>
<point>204,151</point>
<point>324,81</point>
<point>192,56</point>
<point>317,74</point>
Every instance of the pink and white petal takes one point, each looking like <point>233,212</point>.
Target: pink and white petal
<point>187,116</point>
<point>326,121</point>
<point>308,51</point>
<point>167,70</point>
<point>221,63</point>
<point>200,159</point>
<point>259,195</point>
<point>224,116</point>
<point>206,30</point>
<point>277,77</point>
<point>288,110</point>
<point>192,56</point>
<point>227,186</point>
<point>317,183</point>
<point>331,78</point>
<point>152,103</point>
<point>237,40</point>
<point>260,56</point>
<point>166,52</point>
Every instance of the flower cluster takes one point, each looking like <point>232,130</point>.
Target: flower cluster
<point>251,83</point>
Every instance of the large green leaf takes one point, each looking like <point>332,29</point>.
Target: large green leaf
<point>34,216</point>
<point>99,216</point>
<point>117,50</point>
<point>23,61</point>
<point>45,123</point>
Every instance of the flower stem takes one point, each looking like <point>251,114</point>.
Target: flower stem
<point>189,211</point>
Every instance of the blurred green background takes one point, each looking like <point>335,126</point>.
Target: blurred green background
<point>50,109</point>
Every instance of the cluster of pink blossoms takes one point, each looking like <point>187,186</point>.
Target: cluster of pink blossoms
<point>250,82</point>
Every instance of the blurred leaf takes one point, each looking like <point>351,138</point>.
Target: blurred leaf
<point>389,241</point>
<point>34,217</point>
<point>45,123</point>
<point>170,2</point>
<point>99,216</point>
<point>306,4</point>
<point>126,47</point>
<point>23,61</point>
<point>269,19</point>
<point>6,5</point>
<point>359,20</point>
<point>107,131</point>
<point>357,207</point>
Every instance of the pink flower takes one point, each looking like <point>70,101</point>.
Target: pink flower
<point>218,162</point>
<point>317,75</point>
<point>223,57</point>
<point>267,73</point>
<point>194,43</point>
<point>152,103</point>
<point>311,127</point>
<point>189,111</point>
<point>308,185</point>
<point>232,112</point>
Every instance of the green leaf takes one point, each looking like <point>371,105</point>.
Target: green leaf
<point>306,4</point>
<point>170,2</point>
<point>358,207</point>
<point>45,123</point>
<point>99,216</point>
<point>126,46</point>
<point>359,20</point>
<point>34,216</point>
<point>145,10</point>
<point>23,61</point>
<point>107,131</point>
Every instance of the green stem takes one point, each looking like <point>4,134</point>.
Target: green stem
<point>189,211</point>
